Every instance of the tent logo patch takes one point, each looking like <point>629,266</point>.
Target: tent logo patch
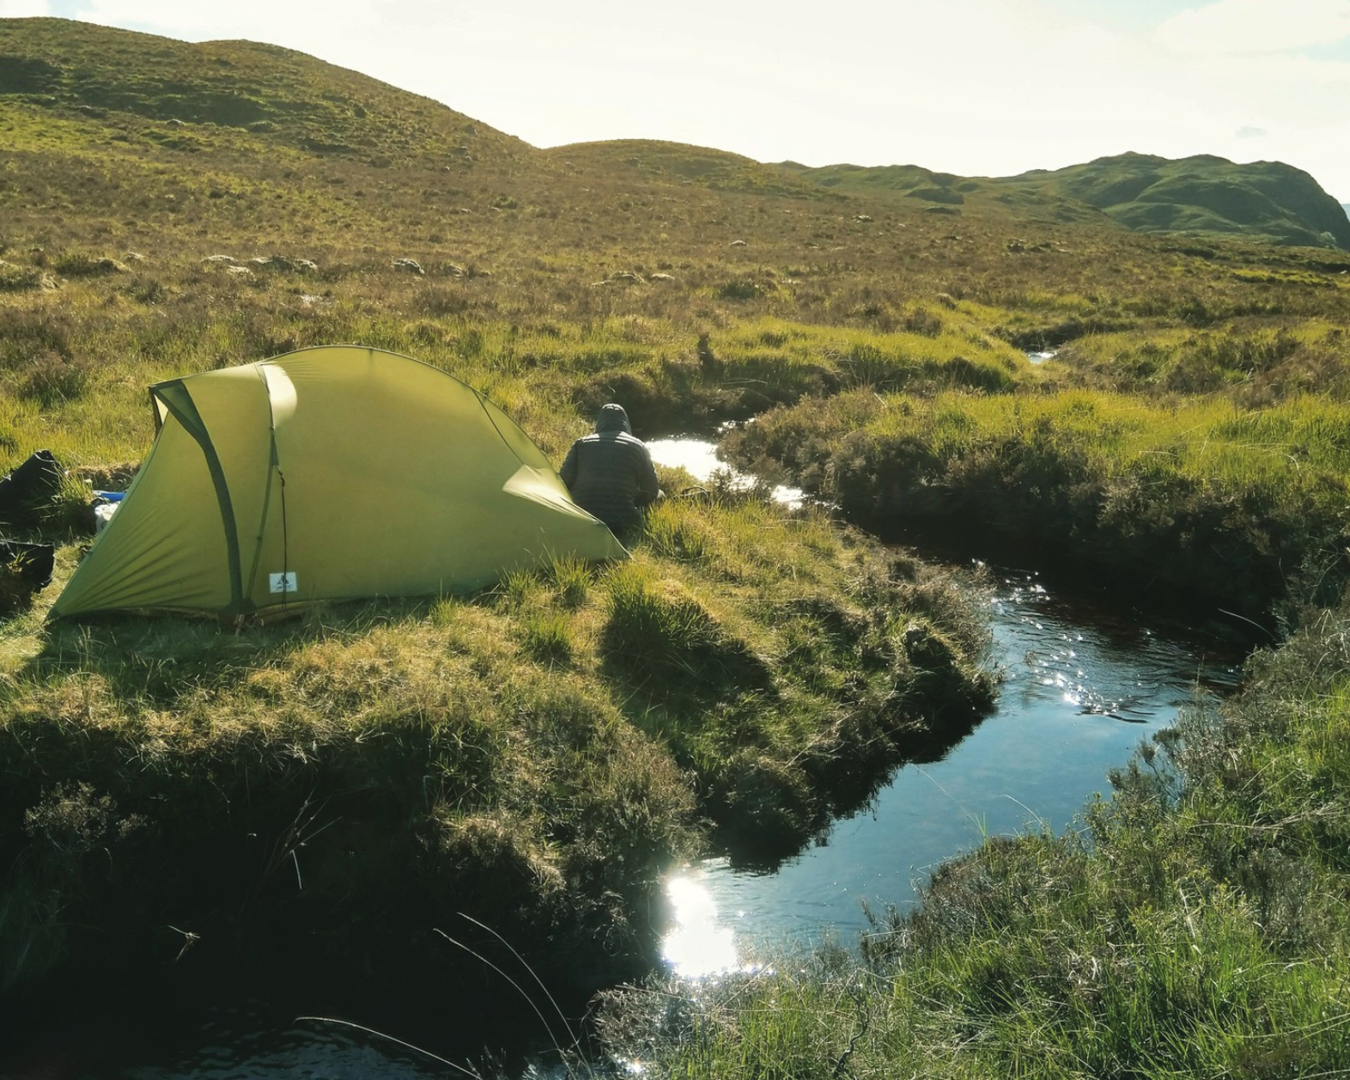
<point>282,583</point>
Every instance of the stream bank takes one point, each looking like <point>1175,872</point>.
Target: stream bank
<point>295,810</point>
<point>1191,925</point>
<point>1195,506</point>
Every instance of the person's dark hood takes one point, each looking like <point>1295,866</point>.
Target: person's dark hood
<point>613,418</point>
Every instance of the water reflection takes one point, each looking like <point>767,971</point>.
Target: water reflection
<point>698,457</point>
<point>240,1045</point>
<point>699,943</point>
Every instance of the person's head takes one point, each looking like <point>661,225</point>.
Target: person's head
<point>613,418</point>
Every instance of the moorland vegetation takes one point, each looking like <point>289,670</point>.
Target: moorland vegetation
<point>178,798</point>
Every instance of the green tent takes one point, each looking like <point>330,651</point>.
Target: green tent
<point>324,474</point>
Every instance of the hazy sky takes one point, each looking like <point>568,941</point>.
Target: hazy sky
<point>977,87</point>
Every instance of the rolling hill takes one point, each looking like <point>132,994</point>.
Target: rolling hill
<point>1204,194</point>
<point>275,136</point>
<point>242,90</point>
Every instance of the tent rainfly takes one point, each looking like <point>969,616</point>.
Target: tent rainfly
<point>325,474</point>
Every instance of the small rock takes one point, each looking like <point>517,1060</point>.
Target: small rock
<point>862,217</point>
<point>738,243</point>
<point>134,256</point>
<point>221,260</point>
<point>408,266</point>
<point>661,277</point>
<point>282,262</point>
<point>239,271</point>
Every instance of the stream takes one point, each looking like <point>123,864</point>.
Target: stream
<point>1079,693</point>
<point>1082,687</point>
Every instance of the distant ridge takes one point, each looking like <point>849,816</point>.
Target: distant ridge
<point>1203,194</point>
<point>652,159</point>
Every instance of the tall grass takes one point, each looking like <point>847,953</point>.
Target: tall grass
<point>1235,505</point>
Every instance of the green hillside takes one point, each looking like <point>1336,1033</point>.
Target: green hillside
<point>675,162</point>
<point>169,92</point>
<point>1203,194</point>
<point>1196,195</point>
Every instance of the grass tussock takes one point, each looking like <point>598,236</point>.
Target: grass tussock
<point>1193,924</point>
<point>1244,507</point>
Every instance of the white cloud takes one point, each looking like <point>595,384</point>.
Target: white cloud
<point>23,9</point>
<point>1256,26</point>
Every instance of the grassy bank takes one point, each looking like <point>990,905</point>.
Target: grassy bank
<point>178,799</point>
<point>1192,925</point>
<point>1201,498</point>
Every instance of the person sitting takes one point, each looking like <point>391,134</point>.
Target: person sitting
<point>610,473</point>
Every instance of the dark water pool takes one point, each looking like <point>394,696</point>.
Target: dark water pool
<point>1082,688</point>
